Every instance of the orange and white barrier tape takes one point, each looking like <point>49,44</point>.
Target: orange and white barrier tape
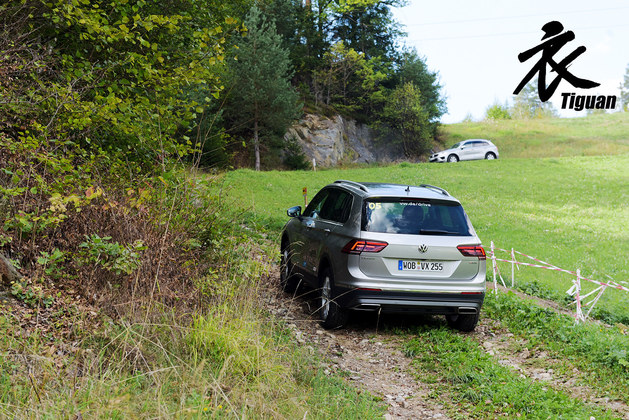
<point>575,289</point>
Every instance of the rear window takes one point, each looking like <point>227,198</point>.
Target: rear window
<point>415,217</point>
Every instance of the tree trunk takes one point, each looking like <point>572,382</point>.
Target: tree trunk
<point>8,273</point>
<point>256,142</point>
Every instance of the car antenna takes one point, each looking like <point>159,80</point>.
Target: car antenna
<point>408,188</point>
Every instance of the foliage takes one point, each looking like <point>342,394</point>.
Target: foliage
<point>47,181</point>
<point>294,157</point>
<point>111,255</point>
<point>31,294</point>
<point>368,28</point>
<point>348,80</point>
<point>624,91</point>
<point>109,74</point>
<point>51,262</point>
<point>404,112</point>
<point>264,101</point>
<point>498,112</point>
<point>411,68</point>
<point>527,104</point>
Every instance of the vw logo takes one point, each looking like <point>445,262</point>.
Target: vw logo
<point>423,248</point>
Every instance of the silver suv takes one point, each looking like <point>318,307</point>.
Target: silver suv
<point>385,247</point>
<point>471,149</point>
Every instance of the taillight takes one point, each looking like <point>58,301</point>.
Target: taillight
<point>472,251</point>
<point>356,246</point>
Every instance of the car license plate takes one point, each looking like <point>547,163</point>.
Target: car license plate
<point>404,265</point>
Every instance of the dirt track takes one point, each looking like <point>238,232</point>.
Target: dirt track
<point>368,352</point>
<point>369,357</point>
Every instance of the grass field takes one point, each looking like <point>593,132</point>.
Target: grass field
<point>572,212</point>
<point>472,384</point>
<point>606,134</point>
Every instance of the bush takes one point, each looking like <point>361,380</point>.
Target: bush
<point>498,112</point>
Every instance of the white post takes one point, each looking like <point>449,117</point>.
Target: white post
<point>494,268</point>
<point>577,283</point>
<point>512,269</point>
<point>314,165</point>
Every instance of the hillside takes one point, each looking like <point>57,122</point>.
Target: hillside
<point>606,134</point>
<point>543,207</point>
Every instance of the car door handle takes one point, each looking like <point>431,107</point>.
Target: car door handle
<point>327,231</point>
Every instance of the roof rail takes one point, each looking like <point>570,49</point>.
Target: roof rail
<point>432,187</point>
<point>352,183</point>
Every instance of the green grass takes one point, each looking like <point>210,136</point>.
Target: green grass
<point>225,358</point>
<point>601,352</point>
<point>474,382</point>
<point>606,134</point>
<point>236,361</point>
<point>572,212</point>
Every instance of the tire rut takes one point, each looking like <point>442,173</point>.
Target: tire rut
<point>367,357</point>
<point>538,365</point>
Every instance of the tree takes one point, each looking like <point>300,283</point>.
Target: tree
<point>295,24</point>
<point>369,28</point>
<point>404,111</point>
<point>624,92</point>
<point>108,74</point>
<point>411,68</point>
<point>262,98</point>
<point>498,112</point>
<point>527,104</point>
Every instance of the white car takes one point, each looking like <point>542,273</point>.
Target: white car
<point>471,149</point>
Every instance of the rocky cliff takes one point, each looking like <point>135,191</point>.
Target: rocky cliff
<point>335,140</point>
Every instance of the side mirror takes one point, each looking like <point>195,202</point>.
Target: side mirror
<point>294,211</point>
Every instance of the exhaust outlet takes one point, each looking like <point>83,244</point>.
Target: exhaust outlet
<point>466,310</point>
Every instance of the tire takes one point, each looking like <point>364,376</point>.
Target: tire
<point>463,323</point>
<point>490,156</point>
<point>288,280</point>
<point>453,158</point>
<point>331,313</point>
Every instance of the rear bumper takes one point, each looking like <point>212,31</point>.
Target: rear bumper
<point>412,302</point>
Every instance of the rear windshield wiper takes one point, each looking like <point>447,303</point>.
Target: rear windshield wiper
<point>437,232</point>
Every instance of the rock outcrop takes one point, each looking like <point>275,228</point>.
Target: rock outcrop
<point>335,140</point>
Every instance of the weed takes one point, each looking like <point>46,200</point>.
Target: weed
<point>111,255</point>
<point>51,261</point>
<point>31,294</point>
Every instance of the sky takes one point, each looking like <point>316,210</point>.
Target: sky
<point>474,46</point>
